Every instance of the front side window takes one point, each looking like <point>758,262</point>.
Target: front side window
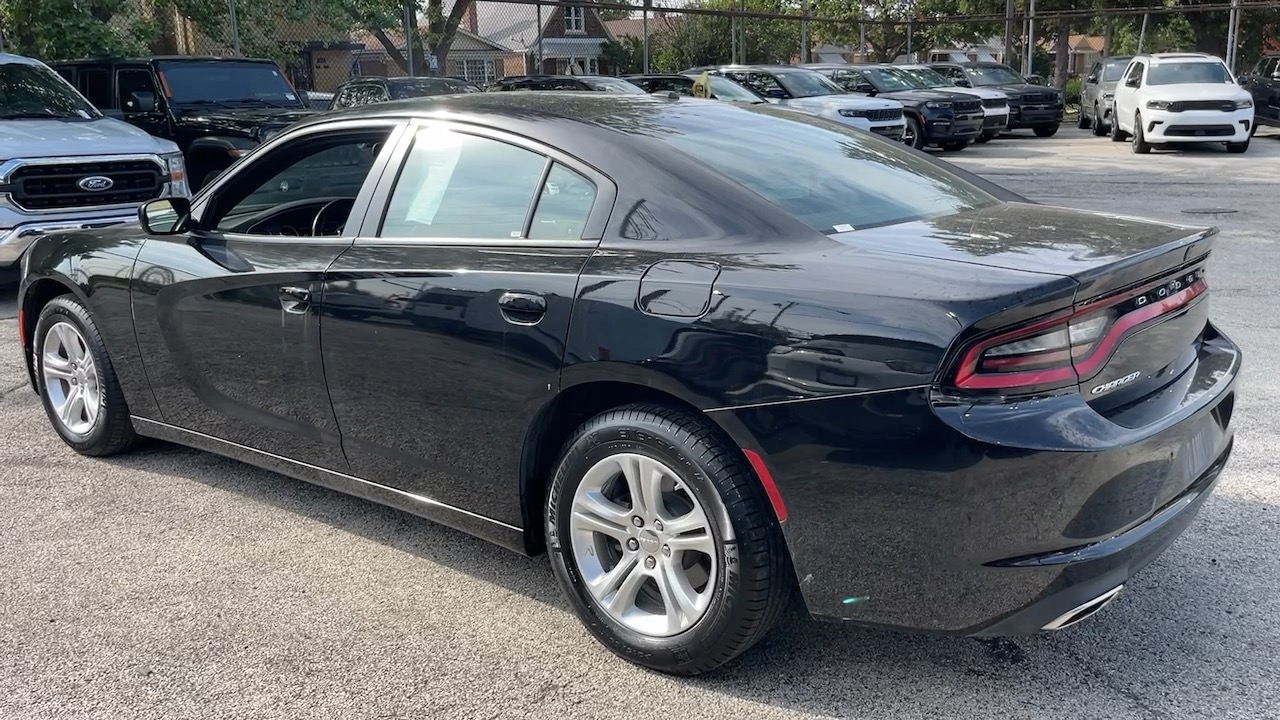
<point>1134,77</point>
<point>833,178</point>
<point>455,185</point>
<point>1189,73</point>
<point>807,83</point>
<point>228,83</point>
<point>722,88</point>
<point>129,82</point>
<point>301,178</point>
<point>35,91</point>
<point>575,19</point>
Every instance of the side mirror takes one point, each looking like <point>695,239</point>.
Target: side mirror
<point>142,102</point>
<point>1132,82</point>
<point>1242,80</point>
<point>865,88</point>
<point>1092,79</point>
<point>166,216</point>
<point>960,82</point>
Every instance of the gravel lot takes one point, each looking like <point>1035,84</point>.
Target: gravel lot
<point>175,584</point>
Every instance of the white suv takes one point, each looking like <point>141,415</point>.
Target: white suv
<point>1181,98</point>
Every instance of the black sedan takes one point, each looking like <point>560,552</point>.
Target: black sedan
<point>590,83</point>
<point>721,87</point>
<point>1030,106</point>
<point>369,90</point>
<point>701,353</point>
<point>949,120</point>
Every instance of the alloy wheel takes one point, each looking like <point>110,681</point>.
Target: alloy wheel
<point>643,544</point>
<point>71,381</point>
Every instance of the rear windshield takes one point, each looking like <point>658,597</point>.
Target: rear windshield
<point>833,178</point>
<point>1188,73</point>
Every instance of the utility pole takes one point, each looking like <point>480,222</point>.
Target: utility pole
<point>1008,31</point>
<point>408,37</point>
<point>235,27</point>
<point>645,23</point>
<point>804,31</point>
<point>862,30</point>
<point>1031,39</point>
<point>1142,34</point>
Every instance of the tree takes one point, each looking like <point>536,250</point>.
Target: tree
<point>624,56</point>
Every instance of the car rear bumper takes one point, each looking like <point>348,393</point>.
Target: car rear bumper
<point>911,509</point>
<point>1160,126</point>
<point>1034,116</point>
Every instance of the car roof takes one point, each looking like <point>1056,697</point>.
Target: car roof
<point>758,68</point>
<point>163,58</point>
<point>10,59</point>
<point>555,107</point>
<point>1158,58</point>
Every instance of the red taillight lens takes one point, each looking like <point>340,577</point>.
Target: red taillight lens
<point>1059,351</point>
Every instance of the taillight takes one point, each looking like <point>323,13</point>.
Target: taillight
<point>1057,352</point>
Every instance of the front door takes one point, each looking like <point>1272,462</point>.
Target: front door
<point>1266,89</point>
<point>444,325</point>
<point>133,81</point>
<point>228,314</point>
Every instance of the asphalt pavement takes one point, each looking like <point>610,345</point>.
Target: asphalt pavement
<point>171,583</point>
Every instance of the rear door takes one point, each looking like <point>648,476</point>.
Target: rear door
<point>444,325</point>
<point>1266,89</point>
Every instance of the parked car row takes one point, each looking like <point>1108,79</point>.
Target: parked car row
<point>1167,99</point>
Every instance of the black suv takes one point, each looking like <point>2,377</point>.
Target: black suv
<point>369,90</point>
<point>949,120</point>
<point>215,109</point>
<point>1263,82</point>
<point>1030,106</point>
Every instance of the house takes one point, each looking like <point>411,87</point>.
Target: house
<point>990,51</point>
<point>1083,52</point>
<point>659,22</point>
<point>535,39</point>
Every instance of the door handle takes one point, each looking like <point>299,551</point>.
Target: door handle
<point>294,299</point>
<point>522,308</point>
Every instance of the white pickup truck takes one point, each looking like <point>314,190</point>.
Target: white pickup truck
<point>63,164</point>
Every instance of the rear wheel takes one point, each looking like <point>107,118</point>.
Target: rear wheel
<point>1083,120</point>
<point>662,539</point>
<point>77,383</point>
<point>1140,145</point>
<point>1098,128</point>
<point>1117,135</point>
<point>913,136</point>
<point>1048,131</point>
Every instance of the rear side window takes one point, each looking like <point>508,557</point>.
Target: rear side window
<point>95,85</point>
<point>832,178</point>
<point>455,185</point>
<point>563,206</point>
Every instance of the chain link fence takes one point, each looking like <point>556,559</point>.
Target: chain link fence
<point>322,43</point>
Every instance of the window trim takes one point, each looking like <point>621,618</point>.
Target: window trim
<point>359,210</point>
<point>593,229</point>
<point>580,13</point>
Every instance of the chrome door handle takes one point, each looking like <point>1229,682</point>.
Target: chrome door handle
<point>294,299</point>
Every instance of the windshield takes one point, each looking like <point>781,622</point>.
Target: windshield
<point>722,88</point>
<point>833,178</point>
<point>806,83</point>
<point>1114,70</point>
<point>993,75</point>
<point>220,82</point>
<point>890,79</point>
<point>35,91</point>
<point>1187,73</point>
<point>613,85</point>
<point>927,78</point>
<point>424,87</point>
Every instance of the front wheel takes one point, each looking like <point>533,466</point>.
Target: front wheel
<point>1239,147</point>
<point>1140,144</point>
<point>77,383</point>
<point>913,135</point>
<point>1098,128</point>
<point>662,539</point>
<point>1049,131</point>
<point>956,146</point>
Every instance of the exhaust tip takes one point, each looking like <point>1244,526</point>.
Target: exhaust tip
<point>1084,610</point>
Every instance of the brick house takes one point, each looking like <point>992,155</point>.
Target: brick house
<point>536,39</point>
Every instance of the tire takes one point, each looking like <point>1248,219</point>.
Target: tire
<point>913,136</point>
<point>1140,145</point>
<point>1045,132</point>
<point>982,139</point>
<point>1240,147</point>
<point>1117,135</point>
<point>1083,121</point>
<point>1098,128</point>
<point>745,572</point>
<point>1253,128</point>
<point>65,337</point>
<point>955,146</point>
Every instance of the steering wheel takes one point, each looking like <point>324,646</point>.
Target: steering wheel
<point>342,205</point>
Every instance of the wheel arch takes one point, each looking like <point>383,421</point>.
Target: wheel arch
<point>580,400</point>
<point>36,294</point>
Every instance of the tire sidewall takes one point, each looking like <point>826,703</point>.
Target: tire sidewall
<point>632,436</point>
<point>63,309</point>
<point>915,125</point>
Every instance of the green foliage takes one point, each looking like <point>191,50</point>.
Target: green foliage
<point>56,29</point>
<point>693,40</point>
<point>623,57</point>
<point>1072,94</point>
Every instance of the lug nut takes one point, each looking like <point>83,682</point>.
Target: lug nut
<point>657,525</point>
<point>649,562</point>
<point>637,521</point>
<point>666,550</point>
<point>633,544</point>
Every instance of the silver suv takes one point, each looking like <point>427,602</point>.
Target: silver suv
<point>64,165</point>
